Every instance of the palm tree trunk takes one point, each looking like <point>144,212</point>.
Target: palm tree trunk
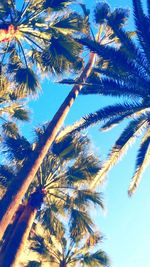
<point>10,229</point>
<point>17,190</point>
<point>13,250</point>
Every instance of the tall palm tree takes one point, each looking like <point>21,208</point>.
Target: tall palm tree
<point>64,251</point>
<point>62,184</point>
<point>8,206</point>
<point>127,75</point>
<point>10,201</point>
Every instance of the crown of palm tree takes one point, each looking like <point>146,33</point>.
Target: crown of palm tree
<point>126,75</point>
<point>65,252</point>
<point>62,180</point>
<point>38,34</point>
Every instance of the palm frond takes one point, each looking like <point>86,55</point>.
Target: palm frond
<point>142,23</point>
<point>101,12</point>
<point>127,137</point>
<point>27,80</point>
<point>97,259</point>
<point>111,53</point>
<point>10,129</point>
<point>110,87</point>
<point>71,23</point>
<point>141,162</point>
<point>17,148</point>
<point>56,5</point>
<point>21,114</point>
<point>87,196</point>
<point>80,223</point>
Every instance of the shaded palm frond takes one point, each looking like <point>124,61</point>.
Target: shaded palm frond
<point>17,148</point>
<point>96,259</point>
<point>26,80</point>
<point>85,196</point>
<point>10,129</point>
<point>80,222</point>
<point>142,23</point>
<point>21,114</point>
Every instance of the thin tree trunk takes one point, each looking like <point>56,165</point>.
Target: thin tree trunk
<point>15,193</point>
<point>12,253</point>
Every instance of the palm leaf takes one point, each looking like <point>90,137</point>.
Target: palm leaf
<point>80,222</point>
<point>17,148</point>
<point>127,137</point>
<point>21,114</point>
<point>110,87</point>
<point>142,24</point>
<point>27,80</point>
<point>97,259</point>
<point>71,23</point>
<point>10,129</point>
<point>88,196</point>
<point>123,62</point>
<point>141,162</point>
<point>56,5</point>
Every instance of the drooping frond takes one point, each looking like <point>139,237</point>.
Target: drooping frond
<point>85,196</point>
<point>110,113</point>
<point>141,162</point>
<point>97,259</point>
<point>126,138</point>
<point>26,80</point>
<point>142,23</point>
<point>80,223</point>
<point>17,148</point>
<point>10,129</point>
<point>111,53</point>
<point>21,114</point>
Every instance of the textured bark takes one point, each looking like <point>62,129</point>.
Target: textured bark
<point>16,244</point>
<point>15,193</point>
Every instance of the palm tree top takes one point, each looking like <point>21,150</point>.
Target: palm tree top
<point>38,34</point>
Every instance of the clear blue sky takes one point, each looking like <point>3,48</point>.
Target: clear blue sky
<point>126,221</point>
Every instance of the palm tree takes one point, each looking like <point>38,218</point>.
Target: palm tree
<point>127,75</point>
<point>64,250</point>
<point>38,34</point>
<point>60,183</point>
<point>8,206</point>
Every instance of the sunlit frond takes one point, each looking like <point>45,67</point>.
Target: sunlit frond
<point>126,138</point>
<point>141,162</point>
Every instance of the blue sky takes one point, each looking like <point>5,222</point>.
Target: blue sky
<point>126,221</point>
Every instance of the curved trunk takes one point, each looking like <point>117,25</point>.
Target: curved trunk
<point>13,250</point>
<point>17,190</point>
